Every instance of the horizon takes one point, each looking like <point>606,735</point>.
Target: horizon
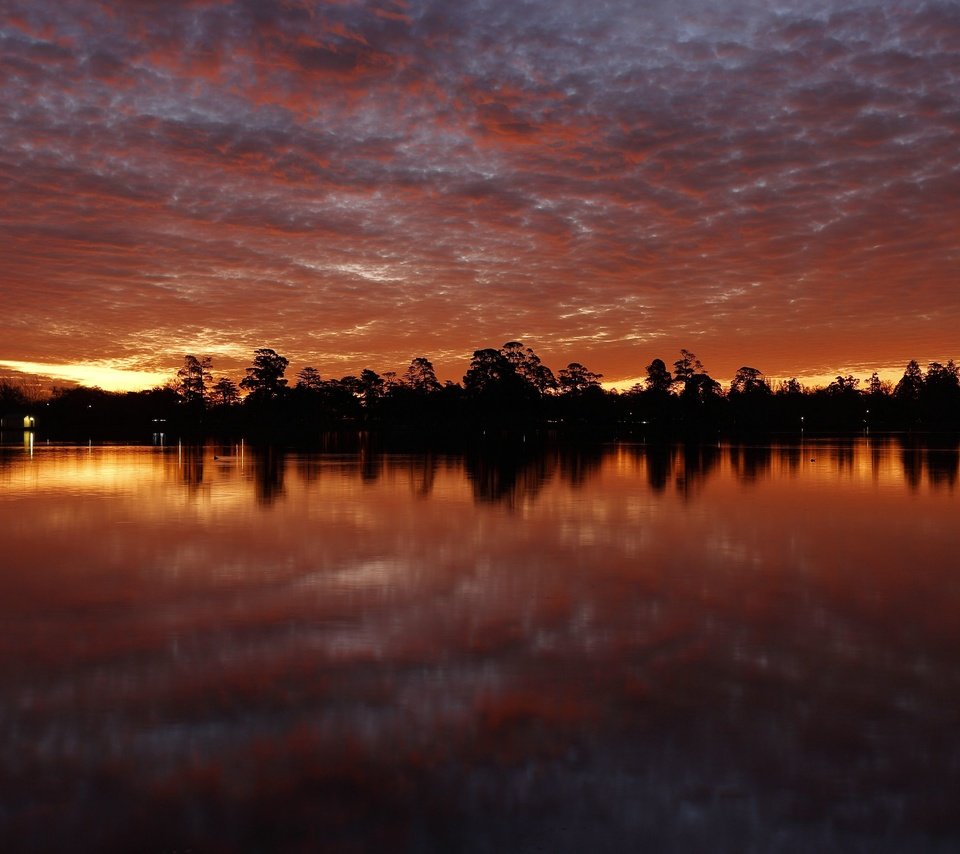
<point>114,380</point>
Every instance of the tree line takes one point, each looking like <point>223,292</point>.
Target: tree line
<point>504,391</point>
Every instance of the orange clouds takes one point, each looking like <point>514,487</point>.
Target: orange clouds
<point>171,172</point>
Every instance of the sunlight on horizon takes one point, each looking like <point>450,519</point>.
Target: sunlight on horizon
<point>109,378</point>
<point>809,381</point>
<point>90,374</point>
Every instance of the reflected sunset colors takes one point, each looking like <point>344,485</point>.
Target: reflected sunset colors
<point>666,646</point>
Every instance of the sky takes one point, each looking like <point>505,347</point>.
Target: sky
<point>354,184</point>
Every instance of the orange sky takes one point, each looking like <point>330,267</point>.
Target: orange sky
<point>358,183</point>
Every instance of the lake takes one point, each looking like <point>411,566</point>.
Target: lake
<point>719,648</point>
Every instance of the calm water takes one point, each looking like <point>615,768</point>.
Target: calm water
<point>637,649</point>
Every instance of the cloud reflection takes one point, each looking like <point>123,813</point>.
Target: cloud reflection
<point>665,643</point>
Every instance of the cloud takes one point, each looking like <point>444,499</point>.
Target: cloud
<point>501,165</point>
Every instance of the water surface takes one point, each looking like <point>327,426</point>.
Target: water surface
<point>710,648</point>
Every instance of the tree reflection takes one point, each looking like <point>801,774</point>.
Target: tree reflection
<point>514,475</point>
<point>371,465</point>
<point>423,473</point>
<point>876,459</point>
<point>659,459</point>
<point>309,467</point>
<point>942,466</point>
<point>792,457</point>
<point>686,466</point>
<point>911,457</point>
<point>699,461</point>
<point>579,464</point>
<point>190,465</point>
<point>8,455</point>
<point>751,463</point>
<point>269,466</point>
<point>843,454</point>
<point>508,477</point>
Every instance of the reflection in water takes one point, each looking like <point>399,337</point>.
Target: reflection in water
<point>791,458</point>
<point>516,475</point>
<point>659,459</point>
<point>751,463</point>
<point>843,455</point>
<point>190,460</point>
<point>578,464</point>
<point>940,463</point>
<point>698,463</point>
<point>943,464</point>
<point>268,474</point>
<point>686,467</point>
<point>511,477</point>
<point>648,648</point>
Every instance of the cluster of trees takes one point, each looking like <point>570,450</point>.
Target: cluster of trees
<point>513,368</point>
<point>507,390</point>
<point>510,383</point>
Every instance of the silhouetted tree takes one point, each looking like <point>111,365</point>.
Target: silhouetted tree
<point>515,353</point>
<point>940,397</point>
<point>194,379</point>
<point>839,406</point>
<point>697,384</point>
<point>224,392</point>
<point>750,400</point>
<point>81,412</point>
<point>420,376</point>
<point>790,387</point>
<point>576,379</point>
<point>372,387</point>
<point>649,405</point>
<point>910,385</point>
<point>12,396</point>
<point>658,377</point>
<point>264,380</point>
<point>700,387</point>
<point>686,366</point>
<point>843,385</point>
<point>749,381</point>
<point>495,395</point>
<point>338,400</point>
<point>506,393</point>
<point>941,378</point>
<point>351,385</point>
<point>527,365</point>
<point>876,386</point>
<point>790,410</point>
<point>309,379</point>
<point>488,369</point>
<point>700,400</point>
<point>881,408</point>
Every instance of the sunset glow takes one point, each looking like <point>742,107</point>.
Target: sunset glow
<point>358,183</point>
<point>90,374</point>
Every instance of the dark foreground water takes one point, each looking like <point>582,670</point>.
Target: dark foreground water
<point>710,649</point>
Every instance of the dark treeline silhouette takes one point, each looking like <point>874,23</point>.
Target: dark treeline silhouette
<point>506,393</point>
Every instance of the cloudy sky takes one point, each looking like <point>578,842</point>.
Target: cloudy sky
<point>774,184</point>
